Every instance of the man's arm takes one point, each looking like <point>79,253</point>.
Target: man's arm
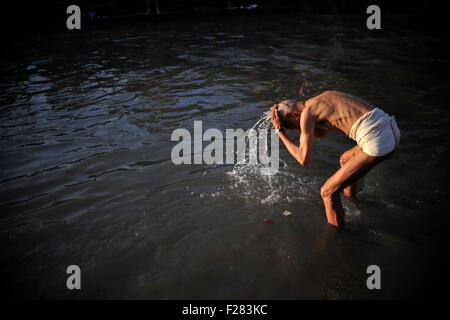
<point>303,152</point>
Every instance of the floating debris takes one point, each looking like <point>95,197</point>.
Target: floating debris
<point>268,221</point>
<point>287,213</point>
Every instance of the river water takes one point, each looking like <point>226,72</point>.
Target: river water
<point>86,175</point>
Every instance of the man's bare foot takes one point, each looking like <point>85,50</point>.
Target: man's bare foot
<point>350,192</point>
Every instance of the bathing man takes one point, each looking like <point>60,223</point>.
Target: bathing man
<point>375,132</point>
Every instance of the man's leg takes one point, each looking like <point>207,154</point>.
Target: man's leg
<point>356,167</point>
<point>351,190</point>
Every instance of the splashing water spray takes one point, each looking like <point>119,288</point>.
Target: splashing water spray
<point>247,178</point>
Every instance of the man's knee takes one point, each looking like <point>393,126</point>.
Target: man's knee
<point>326,192</point>
<point>329,191</point>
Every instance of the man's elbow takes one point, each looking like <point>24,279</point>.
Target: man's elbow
<point>304,162</point>
<point>304,158</point>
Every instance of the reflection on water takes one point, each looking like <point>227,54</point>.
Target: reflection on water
<point>86,176</point>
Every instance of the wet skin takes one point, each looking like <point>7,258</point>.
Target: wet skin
<point>331,110</point>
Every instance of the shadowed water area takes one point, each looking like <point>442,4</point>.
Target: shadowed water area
<point>86,176</point>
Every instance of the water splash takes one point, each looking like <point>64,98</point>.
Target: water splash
<point>287,184</point>
<point>263,122</point>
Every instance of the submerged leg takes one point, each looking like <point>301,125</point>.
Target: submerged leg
<point>354,168</point>
<point>351,190</point>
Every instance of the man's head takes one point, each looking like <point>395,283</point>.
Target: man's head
<point>290,112</point>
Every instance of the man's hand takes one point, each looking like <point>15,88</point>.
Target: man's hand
<point>275,117</point>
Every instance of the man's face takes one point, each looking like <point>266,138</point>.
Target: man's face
<point>320,133</point>
<point>290,115</point>
<point>291,121</point>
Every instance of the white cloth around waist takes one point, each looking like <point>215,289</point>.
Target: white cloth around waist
<point>376,133</point>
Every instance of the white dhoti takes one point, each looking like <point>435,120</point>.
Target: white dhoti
<point>376,133</point>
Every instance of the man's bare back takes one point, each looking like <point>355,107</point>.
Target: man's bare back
<point>373,129</point>
<point>337,110</point>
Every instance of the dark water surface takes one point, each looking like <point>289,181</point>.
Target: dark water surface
<point>86,176</point>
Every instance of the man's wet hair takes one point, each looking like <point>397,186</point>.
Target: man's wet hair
<point>286,106</point>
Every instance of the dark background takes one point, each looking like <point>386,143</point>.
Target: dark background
<point>28,17</point>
